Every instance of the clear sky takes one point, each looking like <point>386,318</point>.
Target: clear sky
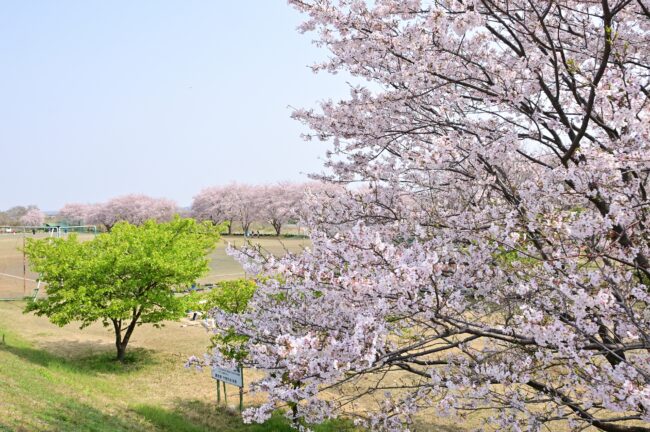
<point>103,98</point>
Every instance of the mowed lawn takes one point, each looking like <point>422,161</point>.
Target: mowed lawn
<point>65,379</point>
<point>224,267</point>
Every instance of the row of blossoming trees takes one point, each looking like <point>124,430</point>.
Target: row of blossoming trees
<point>22,216</point>
<point>239,204</point>
<point>499,262</point>
<point>245,204</point>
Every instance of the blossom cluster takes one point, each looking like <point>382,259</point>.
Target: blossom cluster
<point>498,255</point>
<point>133,208</point>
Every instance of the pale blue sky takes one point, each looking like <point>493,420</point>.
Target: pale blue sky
<point>102,98</point>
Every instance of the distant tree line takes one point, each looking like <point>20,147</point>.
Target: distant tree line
<point>133,208</point>
<point>22,216</point>
<point>244,205</point>
<point>238,205</point>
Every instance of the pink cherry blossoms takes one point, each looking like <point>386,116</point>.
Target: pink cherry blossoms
<point>33,217</point>
<point>135,209</point>
<point>275,204</point>
<point>499,257</point>
<point>75,213</point>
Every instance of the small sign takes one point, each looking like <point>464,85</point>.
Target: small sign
<point>229,376</point>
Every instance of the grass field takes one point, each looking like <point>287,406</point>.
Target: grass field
<point>222,266</point>
<point>64,379</point>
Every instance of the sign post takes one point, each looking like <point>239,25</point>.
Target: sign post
<point>241,391</point>
<point>233,377</point>
<point>225,394</point>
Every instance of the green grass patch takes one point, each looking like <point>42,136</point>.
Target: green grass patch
<point>166,420</point>
<point>196,416</point>
<point>43,391</point>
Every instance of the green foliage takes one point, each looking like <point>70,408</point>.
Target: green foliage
<point>231,297</point>
<point>231,345</point>
<point>508,257</point>
<point>126,277</point>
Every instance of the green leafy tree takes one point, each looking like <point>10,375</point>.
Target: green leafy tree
<point>231,297</point>
<point>124,278</point>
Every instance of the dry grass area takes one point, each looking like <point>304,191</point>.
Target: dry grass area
<point>11,267</point>
<point>172,345</point>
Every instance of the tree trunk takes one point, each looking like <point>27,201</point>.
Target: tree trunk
<point>121,349</point>
<point>294,413</point>
<point>121,342</point>
<point>121,352</point>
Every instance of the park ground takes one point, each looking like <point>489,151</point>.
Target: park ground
<point>65,379</point>
<point>222,267</point>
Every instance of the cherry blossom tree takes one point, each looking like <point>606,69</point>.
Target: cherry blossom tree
<point>246,202</point>
<point>12,216</point>
<point>212,204</point>
<point>279,203</point>
<point>133,208</point>
<point>75,213</point>
<point>33,217</point>
<point>317,191</point>
<point>498,257</point>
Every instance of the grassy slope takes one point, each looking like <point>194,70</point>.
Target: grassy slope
<point>47,392</point>
<point>64,379</point>
<point>55,378</point>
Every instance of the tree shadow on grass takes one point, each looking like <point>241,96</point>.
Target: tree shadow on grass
<point>64,414</point>
<point>105,363</point>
